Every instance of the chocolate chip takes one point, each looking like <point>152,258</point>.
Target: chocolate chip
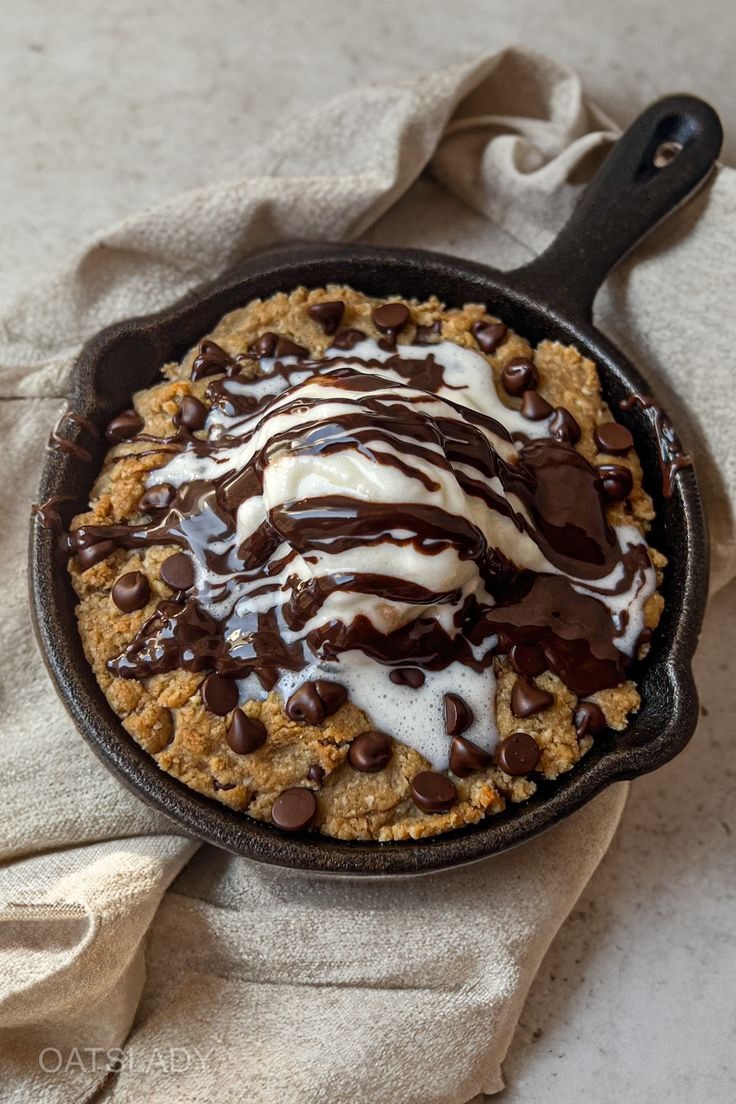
<point>614,438</point>
<point>425,335</point>
<point>156,498</point>
<point>489,335</point>
<point>407,676</point>
<point>294,809</point>
<point>131,591</point>
<point>391,317</point>
<point>518,376</point>
<point>348,339</point>
<point>589,719</point>
<point>265,345</point>
<point>527,659</point>
<point>466,757</point>
<point>316,774</point>
<point>534,407</point>
<point>178,571</point>
<point>219,694</point>
<point>211,360</point>
<point>286,347</point>
<point>92,554</point>
<point>433,792</point>
<point>617,481</point>
<point>527,698</point>
<point>125,426</point>
<point>331,694</point>
<point>518,753</point>
<point>192,413</point>
<point>315,700</point>
<point>328,315</point>
<point>305,705</point>
<point>564,427</point>
<point>370,752</point>
<point>245,734</point>
<point>223,785</point>
<point>458,714</point>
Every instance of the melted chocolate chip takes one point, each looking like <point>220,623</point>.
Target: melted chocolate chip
<point>305,705</point>
<point>370,752</point>
<point>315,700</point>
<point>489,335</point>
<point>589,719</point>
<point>527,659</point>
<point>294,809</point>
<point>564,427</point>
<point>613,438</point>
<point>466,757</point>
<point>458,714</point>
<point>222,785</point>
<point>192,413</point>
<point>125,426</point>
<point>157,498</point>
<point>328,315</point>
<point>211,360</point>
<point>92,554</point>
<point>527,698</point>
<point>427,335</point>
<point>178,571</point>
<point>407,676</point>
<point>131,591</point>
<point>331,694</point>
<point>245,734</point>
<point>348,339</point>
<point>219,694</point>
<point>286,347</point>
<point>316,774</point>
<point>518,376</point>
<point>433,792</point>
<point>391,317</point>
<point>265,345</point>
<point>518,754</point>
<point>534,407</point>
<point>617,481</point>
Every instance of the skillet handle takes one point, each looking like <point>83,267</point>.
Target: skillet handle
<point>663,157</point>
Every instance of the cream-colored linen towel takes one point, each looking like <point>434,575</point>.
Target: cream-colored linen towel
<point>240,982</point>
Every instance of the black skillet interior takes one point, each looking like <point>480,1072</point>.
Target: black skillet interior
<point>654,167</point>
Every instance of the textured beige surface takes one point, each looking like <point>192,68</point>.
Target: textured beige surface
<point>636,993</point>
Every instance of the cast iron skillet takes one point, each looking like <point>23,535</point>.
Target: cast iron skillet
<point>552,297</point>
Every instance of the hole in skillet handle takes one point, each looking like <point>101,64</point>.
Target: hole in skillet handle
<point>666,153</point>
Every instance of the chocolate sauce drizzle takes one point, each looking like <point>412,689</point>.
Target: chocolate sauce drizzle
<point>57,442</point>
<point>671,457</point>
<point>562,511</point>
